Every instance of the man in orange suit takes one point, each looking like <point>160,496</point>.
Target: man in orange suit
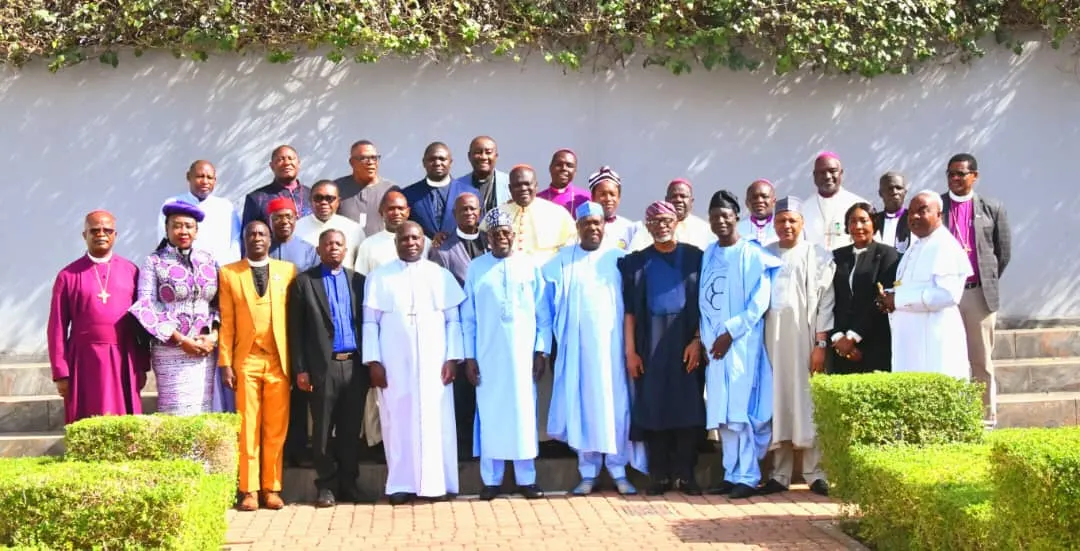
<point>254,359</point>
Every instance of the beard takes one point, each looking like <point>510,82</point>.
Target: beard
<point>665,239</point>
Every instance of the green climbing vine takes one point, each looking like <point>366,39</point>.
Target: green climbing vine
<point>865,37</point>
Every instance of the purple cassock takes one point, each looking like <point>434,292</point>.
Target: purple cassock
<point>92,339</point>
<point>569,197</point>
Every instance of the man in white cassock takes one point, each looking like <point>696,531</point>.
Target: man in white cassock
<point>796,332</point>
<point>219,232</point>
<point>924,315</point>
<point>411,344</point>
<point>590,401</point>
<point>824,211</point>
<point>380,248</point>
<point>325,200</point>
<point>506,321</point>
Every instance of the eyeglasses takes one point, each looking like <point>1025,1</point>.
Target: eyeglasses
<point>958,173</point>
<point>106,231</point>
<point>324,198</point>
<point>660,222</point>
<point>367,158</point>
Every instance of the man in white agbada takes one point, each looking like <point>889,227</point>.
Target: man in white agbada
<point>735,292</point>
<point>824,211</point>
<point>378,249</point>
<point>506,320</point>
<point>220,232</point>
<point>590,401</point>
<point>325,200</point>
<point>412,343</point>
<point>796,335</point>
<point>927,331</point>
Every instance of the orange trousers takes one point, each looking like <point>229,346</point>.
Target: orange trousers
<point>262,399</point>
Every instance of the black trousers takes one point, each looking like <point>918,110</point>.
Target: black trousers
<point>337,406</point>
<point>297,438</point>
<point>673,453</point>
<point>464,411</point>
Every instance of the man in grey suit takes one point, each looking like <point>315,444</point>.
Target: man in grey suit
<point>980,225</point>
<point>455,253</point>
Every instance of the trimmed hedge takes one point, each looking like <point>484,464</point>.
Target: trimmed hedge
<point>209,439</point>
<point>1037,495</point>
<point>171,505</point>
<point>876,409</point>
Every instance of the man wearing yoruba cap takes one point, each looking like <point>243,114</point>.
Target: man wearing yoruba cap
<point>690,229</point>
<point>506,321</point>
<point>663,351</point>
<point>824,210</point>
<point>796,331</point>
<point>590,402</point>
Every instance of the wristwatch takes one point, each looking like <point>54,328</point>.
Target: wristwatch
<point>822,344</point>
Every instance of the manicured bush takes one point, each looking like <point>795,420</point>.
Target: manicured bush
<point>209,439</point>
<point>878,409</point>
<point>1036,474</point>
<point>60,504</point>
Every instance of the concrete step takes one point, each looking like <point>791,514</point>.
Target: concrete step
<point>35,378</point>
<point>1038,409</point>
<point>31,444</point>
<point>1038,375</point>
<point>20,414</point>
<point>1050,342</point>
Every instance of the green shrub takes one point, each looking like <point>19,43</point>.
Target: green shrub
<point>130,505</point>
<point>924,498</point>
<point>210,439</point>
<point>1037,488</point>
<point>890,408</point>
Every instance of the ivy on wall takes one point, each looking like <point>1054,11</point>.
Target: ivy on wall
<point>865,37</point>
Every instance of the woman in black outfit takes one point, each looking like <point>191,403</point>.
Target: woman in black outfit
<point>861,340</point>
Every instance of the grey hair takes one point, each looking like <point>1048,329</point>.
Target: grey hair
<point>935,197</point>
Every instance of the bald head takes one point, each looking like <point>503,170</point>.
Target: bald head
<point>523,185</point>
<point>394,209</point>
<point>98,215</point>
<point>99,232</point>
<point>483,152</point>
<point>467,213</point>
<point>761,199</point>
<point>924,213</point>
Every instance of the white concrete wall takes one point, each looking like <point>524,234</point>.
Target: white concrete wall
<point>121,139</point>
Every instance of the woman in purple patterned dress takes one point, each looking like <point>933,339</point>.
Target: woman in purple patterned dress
<point>177,304</point>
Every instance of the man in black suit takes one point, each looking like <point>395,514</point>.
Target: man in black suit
<point>980,225</point>
<point>891,225</point>
<point>324,336</point>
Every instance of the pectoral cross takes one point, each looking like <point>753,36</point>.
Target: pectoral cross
<point>104,296</point>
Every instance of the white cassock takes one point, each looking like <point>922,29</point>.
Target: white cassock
<point>379,249</point>
<point>824,218</point>
<point>411,326</point>
<point>692,231</point>
<point>310,228</point>
<point>619,233</point>
<point>927,332</point>
<point>220,232</point>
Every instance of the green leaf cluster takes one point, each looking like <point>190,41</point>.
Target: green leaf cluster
<point>865,37</point>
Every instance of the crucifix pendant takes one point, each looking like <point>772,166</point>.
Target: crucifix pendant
<point>104,296</point>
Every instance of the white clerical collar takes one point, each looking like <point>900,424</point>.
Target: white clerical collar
<point>467,236</point>
<point>859,251</point>
<point>961,198</point>
<point>101,260</point>
<point>258,263</point>
<point>440,183</point>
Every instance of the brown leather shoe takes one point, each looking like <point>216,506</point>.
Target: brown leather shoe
<point>249,503</point>
<point>273,500</point>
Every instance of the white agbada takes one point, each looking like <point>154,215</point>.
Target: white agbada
<point>692,231</point>
<point>219,232</point>
<point>927,332</point>
<point>619,233</point>
<point>380,249</point>
<point>802,305</point>
<point>309,228</point>
<point>824,218</point>
<point>411,326</point>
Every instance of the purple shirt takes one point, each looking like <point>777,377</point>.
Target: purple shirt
<point>962,227</point>
<point>569,198</point>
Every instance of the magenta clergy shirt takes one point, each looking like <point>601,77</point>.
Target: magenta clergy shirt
<point>569,198</point>
<point>962,226</point>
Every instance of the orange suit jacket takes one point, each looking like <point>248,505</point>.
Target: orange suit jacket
<point>236,337</point>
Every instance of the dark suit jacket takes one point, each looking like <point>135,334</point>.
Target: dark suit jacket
<point>855,310</point>
<point>453,255</point>
<point>422,207</point>
<point>993,243</point>
<point>311,330</point>
<point>903,232</point>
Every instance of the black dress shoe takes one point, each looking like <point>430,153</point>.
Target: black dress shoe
<point>723,489</point>
<point>400,498</point>
<point>688,487</point>
<point>820,487</point>
<point>488,493</point>
<point>742,491</point>
<point>772,487</point>
<point>439,499</point>
<point>658,488</point>
<point>532,491</point>
<point>325,499</point>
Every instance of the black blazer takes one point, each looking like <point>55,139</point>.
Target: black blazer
<point>903,232</point>
<point>993,243</point>
<point>311,330</point>
<point>855,309</point>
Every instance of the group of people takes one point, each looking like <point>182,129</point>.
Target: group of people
<point>482,314</point>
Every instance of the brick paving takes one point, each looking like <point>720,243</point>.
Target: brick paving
<point>601,521</point>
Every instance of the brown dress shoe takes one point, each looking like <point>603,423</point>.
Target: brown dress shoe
<point>273,500</point>
<point>249,503</point>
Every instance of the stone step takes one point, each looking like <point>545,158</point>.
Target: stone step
<point>34,379</point>
<point>20,414</point>
<point>31,444</point>
<point>1049,342</point>
<point>1038,409</point>
<point>1037,375</point>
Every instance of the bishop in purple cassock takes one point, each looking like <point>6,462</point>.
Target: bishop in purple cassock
<point>97,364</point>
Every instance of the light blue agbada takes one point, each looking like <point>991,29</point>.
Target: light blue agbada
<point>505,319</point>
<point>735,293</point>
<point>590,402</point>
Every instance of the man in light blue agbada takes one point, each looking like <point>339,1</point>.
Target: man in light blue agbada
<point>735,291</point>
<point>590,403</point>
<point>506,320</point>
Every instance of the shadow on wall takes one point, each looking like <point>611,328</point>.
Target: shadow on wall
<point>96,137</point>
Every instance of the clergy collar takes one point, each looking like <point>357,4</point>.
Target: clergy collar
<point>97,260</point>
<point>858,250</point>
<point>896,214</point>
<point>961,198</point>
<point>258,263</point>
<point>439,183</point>
<point>477,179</point>
<point>764,221</point>
<point>467,236</point>
<point>613,218</point>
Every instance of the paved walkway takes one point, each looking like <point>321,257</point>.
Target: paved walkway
<point>600,521</point>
